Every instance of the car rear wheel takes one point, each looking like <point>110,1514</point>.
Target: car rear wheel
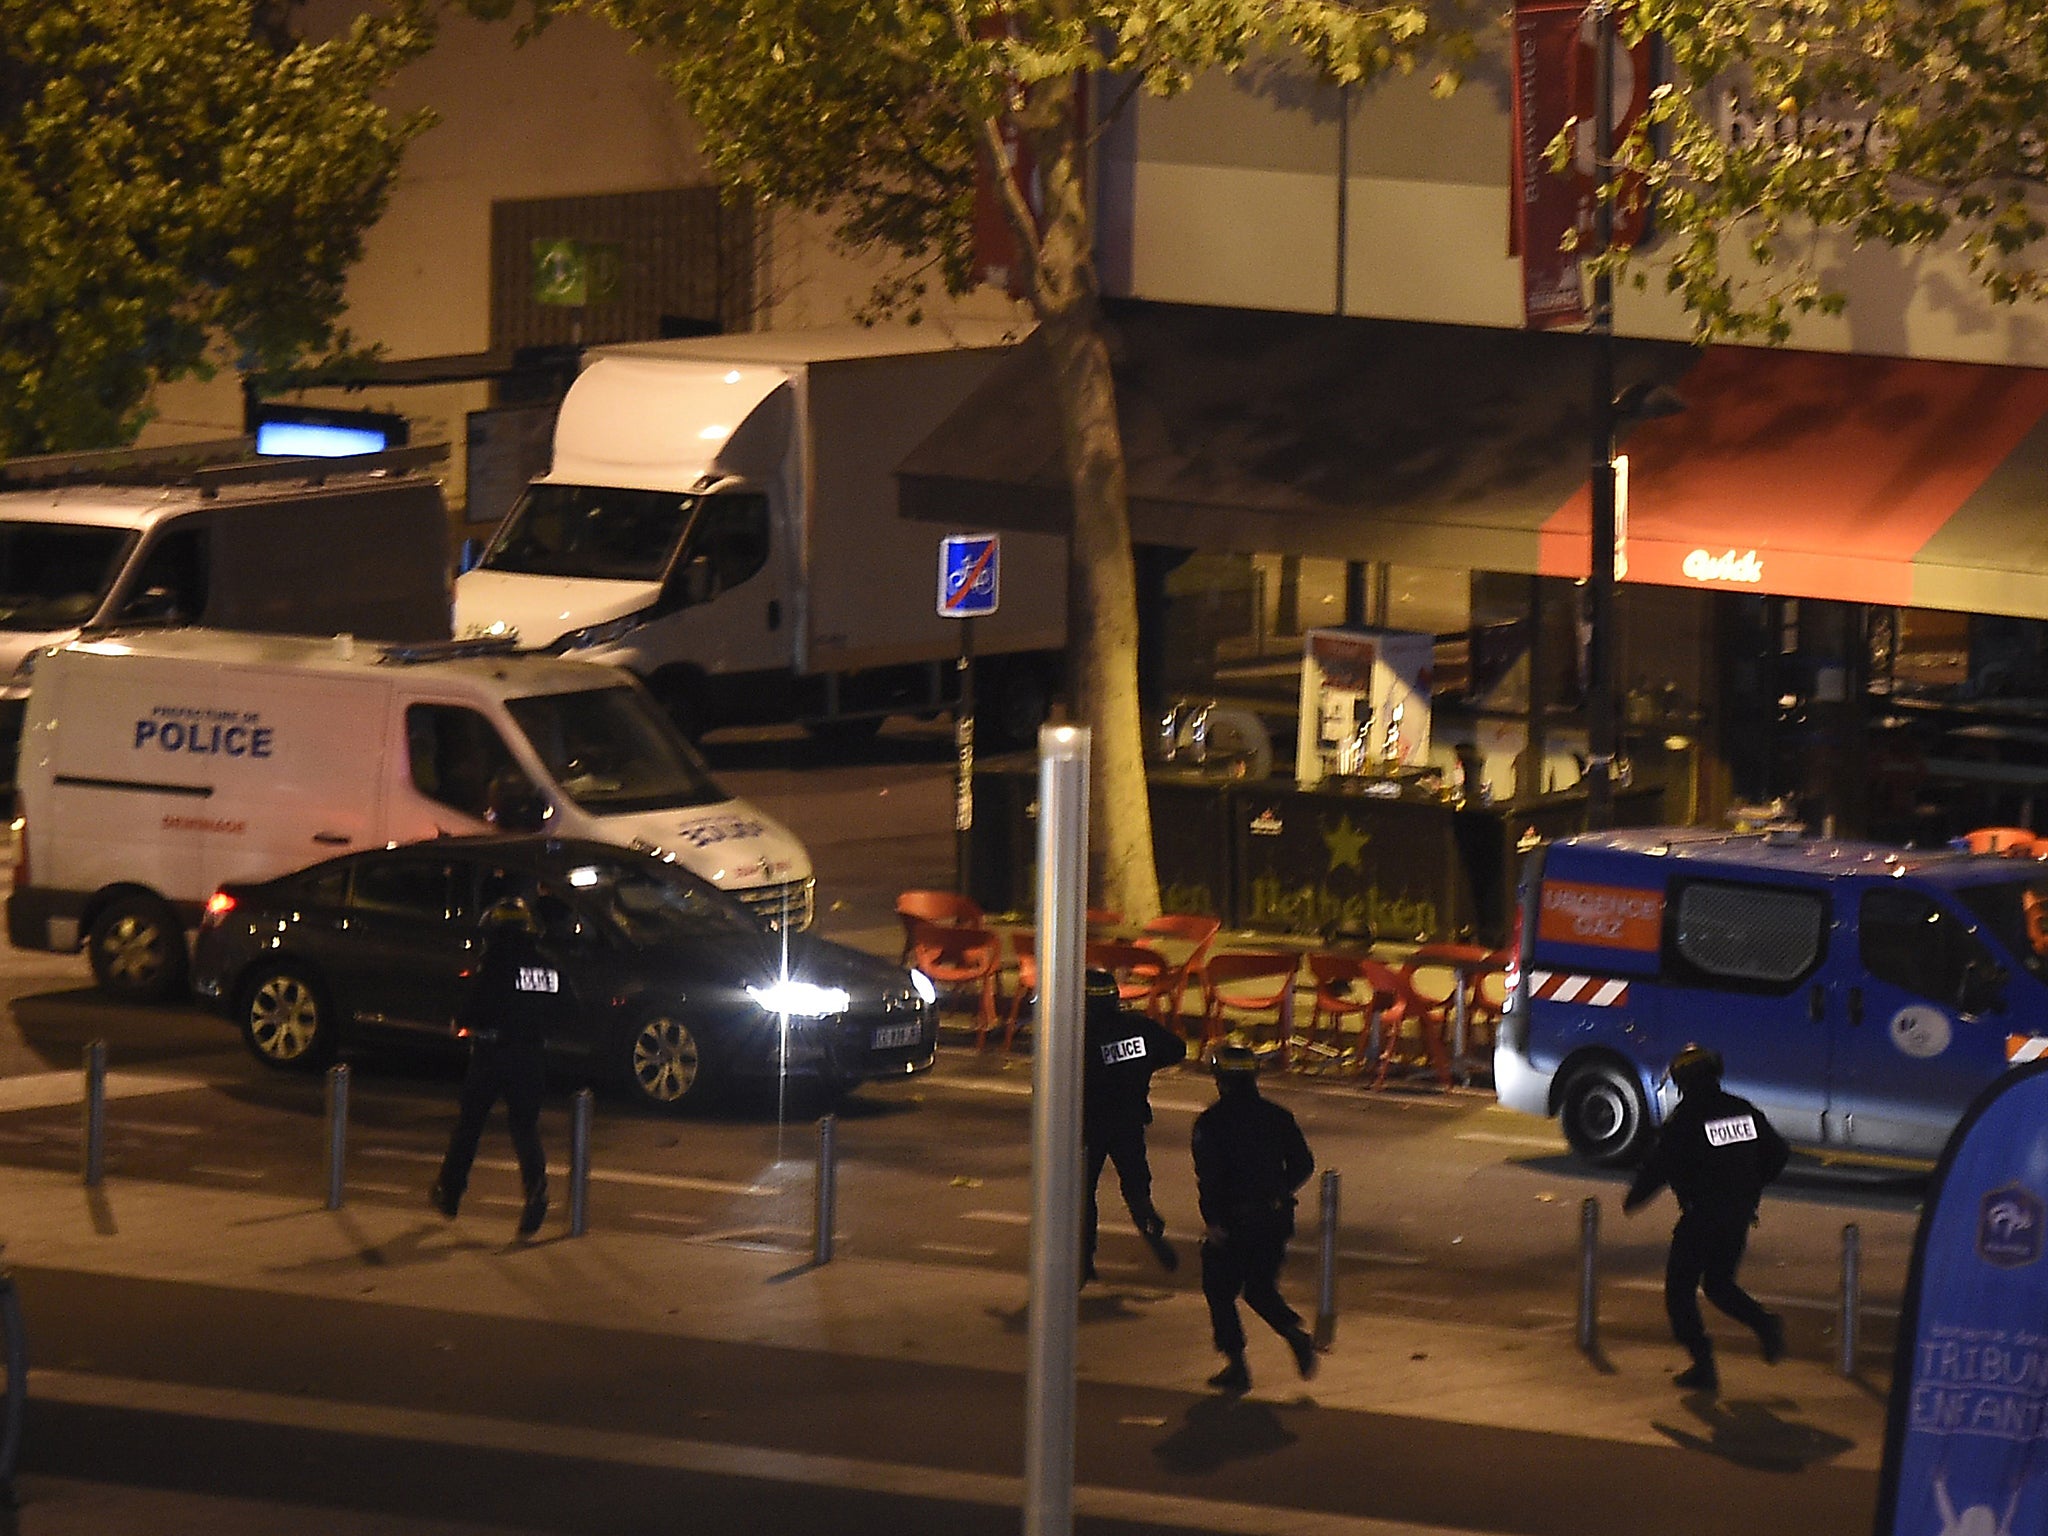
<point>1605,1118</point>
<point>287,1022</point>
<point>137,949</point>
<point>664,1063</point>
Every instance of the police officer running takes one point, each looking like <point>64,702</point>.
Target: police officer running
<point>1717,1152</point>
<point>512,1000</point>
<point>1250,1158</point>
<point>1120,1051</point>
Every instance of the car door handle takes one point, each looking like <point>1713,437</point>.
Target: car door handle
<point>332,838</point>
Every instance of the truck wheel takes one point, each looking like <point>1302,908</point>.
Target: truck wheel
<point>286,1021</point>
<point>137,949</point>
<point>664,1065</point>
<point>1605,1118</point>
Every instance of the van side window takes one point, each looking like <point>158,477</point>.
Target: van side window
<point>1768,937</point>
<point>170,586</point>
<point>1912,943</point>
<point>733,532</point>
<point>459,759</point>
<point>414,888</point>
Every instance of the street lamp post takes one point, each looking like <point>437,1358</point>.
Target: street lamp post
<point>1600,724</point>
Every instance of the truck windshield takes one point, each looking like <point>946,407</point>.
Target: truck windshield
<point>613,751</point>
<point>2016,912</point>
<point>56,575</point>
<point>600,533</point>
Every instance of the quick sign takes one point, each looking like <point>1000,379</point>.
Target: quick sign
<point>1743,569</point>
<point>1611,916</point>
<point>968,575</point>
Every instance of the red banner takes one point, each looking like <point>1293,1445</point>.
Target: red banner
<point>1557,80</point>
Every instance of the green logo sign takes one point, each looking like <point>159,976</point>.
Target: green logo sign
<point>576,272</point>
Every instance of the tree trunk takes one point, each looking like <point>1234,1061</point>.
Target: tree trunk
<point>1102,609</point>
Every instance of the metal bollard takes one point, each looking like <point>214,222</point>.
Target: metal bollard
<point>337,1131</point>
<point>828,1173</point>
<point>579,1161</point>
<point>1589,1295</point>
<point>1326,1286</point>
<point>93,1155</point>
<point>17,1385</point>
<point>1852,1295</point>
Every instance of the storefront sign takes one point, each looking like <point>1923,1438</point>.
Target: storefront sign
<point>1744,568</point>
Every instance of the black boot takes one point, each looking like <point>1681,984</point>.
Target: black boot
<point>443,1200</point>
<point>1235,1377</point>
<point>1770,1334</point>
<point>535,1210</point>
<point>1701,1377</point>
<point>1154,1233</point>
<point>1303,1343</point>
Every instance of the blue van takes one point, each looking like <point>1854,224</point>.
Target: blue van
<point>1862,995</point>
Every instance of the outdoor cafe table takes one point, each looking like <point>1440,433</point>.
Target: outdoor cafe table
<point>1466,962</point>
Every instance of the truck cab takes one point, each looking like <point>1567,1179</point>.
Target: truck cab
<point>1861,995</point>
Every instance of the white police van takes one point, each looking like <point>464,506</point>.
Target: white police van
<point>156,765</point>
<point>1861,995</point>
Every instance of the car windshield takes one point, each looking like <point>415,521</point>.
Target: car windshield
<point>2016,912</point>
<point>613,751</point>
<point>597,532</point>
<point>56,575</point>
<point>651,904</point>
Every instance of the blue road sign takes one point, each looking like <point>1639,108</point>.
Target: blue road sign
<point>968,586</point>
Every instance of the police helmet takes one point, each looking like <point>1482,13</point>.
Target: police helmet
<point>1233,1060</point>
<point>1102,998</point>
<point>1696,1067</point>
<point>511,912</point>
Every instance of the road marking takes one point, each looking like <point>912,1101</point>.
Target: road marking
<point>49,1090</point>
<point>665,1218</point>
<point>1002,1218</point>
<point>702,1458</point>
<point>958,1249</point>
<point>1376,1256</point>
<point>1807,1303</point>
<point>162,1128</point>
<point>597,1175</point>
<point>364,1186</point>
<point>1502,1139</point>
<point>215,1170</point>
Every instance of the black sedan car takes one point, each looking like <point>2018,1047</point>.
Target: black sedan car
<point>680,991</point>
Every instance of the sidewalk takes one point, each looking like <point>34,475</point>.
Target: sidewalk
<point>677,1288</point>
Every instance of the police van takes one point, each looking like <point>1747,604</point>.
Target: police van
<point>156,765</point>
<point>1862,995</point>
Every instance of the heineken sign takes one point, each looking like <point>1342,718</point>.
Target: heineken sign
<point>576,272</point>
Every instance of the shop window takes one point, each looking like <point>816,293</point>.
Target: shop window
<point>1768,937</point>
<point>410,888</point>
<point>459,760</point>
<point>1910,942</point>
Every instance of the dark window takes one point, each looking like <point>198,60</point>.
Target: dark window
<point>1766,937</point>
<point>56,575</point>
<point>600,532</point>
<point>732,531</point>
<point>416,888</point>
<point>329,889</point>
<point>459,759</point>
<point>1912,943</point>
<point>170,586</point>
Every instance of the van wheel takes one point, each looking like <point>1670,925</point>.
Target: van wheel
<point>286,1021</point>
<point>1605,1118</point>
<point>664,1065</point>
<point>137,949</point>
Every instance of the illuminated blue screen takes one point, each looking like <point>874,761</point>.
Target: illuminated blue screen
<point>311,440</point>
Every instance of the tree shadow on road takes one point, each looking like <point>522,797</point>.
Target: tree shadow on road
<point>1218,1430</point>
<point>1754,1433</point>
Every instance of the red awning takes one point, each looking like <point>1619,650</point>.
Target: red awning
<point>1828,475</point>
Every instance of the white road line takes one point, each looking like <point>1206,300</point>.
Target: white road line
<point>1502,1139</point>
<point>702,1458</point>
<point>665,1218</point>
<point>215,1170</point>
<point>365,1187</point>
<point>1001,1218</point>
<point>1376,1256</point>
<point>597,1175</point>
<point>1805,1303</point>
<point>958,1249</point>
<point>49,1090</point>
<point>162,1128</point>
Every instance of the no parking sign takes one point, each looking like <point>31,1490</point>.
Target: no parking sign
<point>968,584</point>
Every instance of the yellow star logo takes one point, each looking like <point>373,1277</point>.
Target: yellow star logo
<point>1345,843</point>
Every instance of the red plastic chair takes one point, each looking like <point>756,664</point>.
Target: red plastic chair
<point>959,958</point>
<point>1429,987</point>
<point>1024,949</point>
<point>2016,841</point>
<point>1168,996</point>
<point>947,908</point>
<point>1137,969</point>
<point>1489,999</point>
<point>1251,981</point>
<point>1336,997</point>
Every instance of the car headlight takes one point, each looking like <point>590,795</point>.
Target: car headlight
<point>600,634</point>
<point>922,985</point>
<point>799,999</point>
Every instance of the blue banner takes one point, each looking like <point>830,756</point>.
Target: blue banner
<point>1966,1441</point>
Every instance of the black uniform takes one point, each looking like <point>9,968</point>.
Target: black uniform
<point>1121,1049</point>
<point>1717,1152</point>
<point>1250,1158</point>
<point>512,1002</point>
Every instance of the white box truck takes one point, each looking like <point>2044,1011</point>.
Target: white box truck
<point>156,765</point>
<point>720,517</point>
